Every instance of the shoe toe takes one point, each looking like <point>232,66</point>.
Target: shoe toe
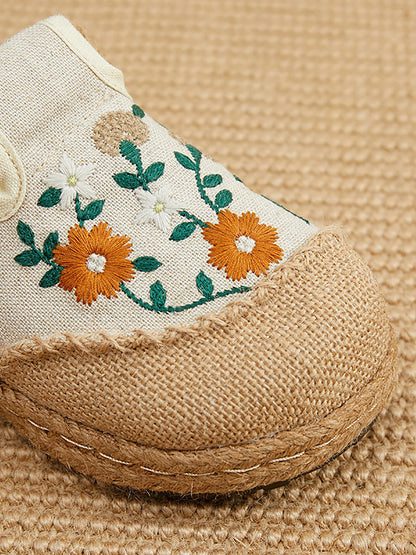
<point>273,386</point>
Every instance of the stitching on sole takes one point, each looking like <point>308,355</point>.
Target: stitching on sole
<point>155,471</point>
<point>270,435</point>
<point>74,444</point>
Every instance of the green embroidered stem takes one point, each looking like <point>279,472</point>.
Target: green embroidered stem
<point>192,218</point>
<point>33,256</point>
<point>223,198</point>
<point>78,210</point>
<point>42,257</point>
<point>201,190</point>
<point>90,212</point>
<point>199,302</point>
<point>140,172</point>
<point>46,260</point>
<point>129,151</point>
<point>197,170</point>
<point>27,237</point>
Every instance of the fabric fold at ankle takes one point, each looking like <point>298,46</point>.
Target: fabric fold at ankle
<point>109,74</point>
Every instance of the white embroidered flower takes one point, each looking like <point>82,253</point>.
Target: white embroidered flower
<point>158,207</point>
<point>72,180</point>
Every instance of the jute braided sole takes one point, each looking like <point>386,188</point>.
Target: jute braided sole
<point>259,462</point>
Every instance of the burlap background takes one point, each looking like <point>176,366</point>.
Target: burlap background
<point>312,103</point>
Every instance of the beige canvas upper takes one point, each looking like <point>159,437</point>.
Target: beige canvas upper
<point>311,103</point>
<point>55,89</point>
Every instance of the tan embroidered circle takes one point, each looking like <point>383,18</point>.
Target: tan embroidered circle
<point>113,128</point>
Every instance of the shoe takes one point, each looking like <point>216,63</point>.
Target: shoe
<point>163,327</point>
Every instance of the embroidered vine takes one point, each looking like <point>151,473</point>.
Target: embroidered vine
<point>223,198</point>
<point>144,176</point>
<point>239,244</point>
<point>158,295</point>
<point>97,261</point>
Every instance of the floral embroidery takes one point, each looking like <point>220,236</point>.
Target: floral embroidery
<point>97,262</point>
<point>94,262</point>
<point>158,207</point>
<point>115,127</point>
<point>65,188</point>
<point>240,244</point>
<point>71,180</point>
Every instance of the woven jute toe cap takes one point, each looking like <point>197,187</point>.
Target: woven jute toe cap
<point>308,338</point>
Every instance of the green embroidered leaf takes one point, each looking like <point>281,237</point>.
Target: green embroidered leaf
<point>223,198</point>
<point>127,180</point>
<point>195,153</point>
<point>154,171</point>
<point>25,233</point>
<point>204,284</point>
<point>50,197</point>
<point>212,180</point>
<point>131,153</point>
<point>146,264</point>
<point>185,161</point>
<point>92,210</point>
<point>182,231</point>
<point>51,277</point>
<point>137,111</point>
<point>158,295</point>
<point>28,258</point>
<point>50,243</point>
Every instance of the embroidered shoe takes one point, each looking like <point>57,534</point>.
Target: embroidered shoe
<point>164,327</point>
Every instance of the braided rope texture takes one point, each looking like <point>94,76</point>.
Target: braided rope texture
<point>310,103</point>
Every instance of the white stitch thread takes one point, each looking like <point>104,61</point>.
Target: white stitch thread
<point>37,426</point>
<point>114,460</point>
<point>229,471</point>
<point>12,411</point>
<point>157,471</point>
<point>288,458</point>
<point>242,470</point>
<point>75,443</point>
<point>193,474</point>
<point>327,443</point>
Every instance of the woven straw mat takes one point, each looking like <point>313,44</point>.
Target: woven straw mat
<point>312,103</point>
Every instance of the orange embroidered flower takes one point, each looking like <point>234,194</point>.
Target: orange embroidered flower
<point>94,262</point>
<point>240,244</point>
